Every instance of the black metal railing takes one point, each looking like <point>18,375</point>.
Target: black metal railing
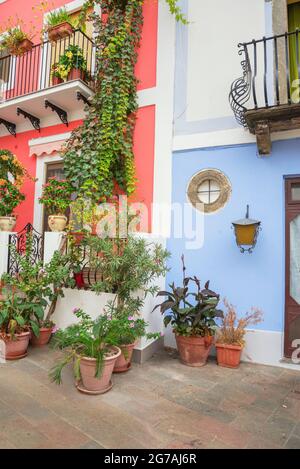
<point>28,243</point>
<point>32,71</point>
<point>271,74</point>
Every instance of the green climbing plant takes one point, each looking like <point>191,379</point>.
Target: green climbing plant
<point>99,154</point>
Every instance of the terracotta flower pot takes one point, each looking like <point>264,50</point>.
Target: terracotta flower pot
<point>123,362</point>
<point>7,223</point>
<point>17,348</point>
<point>229,355</point>
<point>22,47</point>
<point>56,80</point>
<point>79,280</point>
<point>194,351</point>
<point>43,338</point>
<point>60,31</point>
<point>57,223</point>
<point>76,74</point>
<point>92,385</point>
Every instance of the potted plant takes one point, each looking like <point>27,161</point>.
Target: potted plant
<point>55,75</point>
<point>230,337</point>
<point>14,330</point>
<point>10,198</point>
<point>12,175</point>
<point>72,64</point>
<point>192,317</point>
<point>90,345</point>
<point>59,24</point>
<point>37,287</point>
<point>17,37</point>
<point>128,329</point>
<point>56,198</point>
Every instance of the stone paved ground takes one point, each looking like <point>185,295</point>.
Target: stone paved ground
<point>162,404</point>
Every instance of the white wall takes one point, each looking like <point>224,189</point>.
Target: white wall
<point>213,64</point>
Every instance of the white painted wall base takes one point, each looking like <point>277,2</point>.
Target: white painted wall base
<point>4,242</point>
<point>262,347</point>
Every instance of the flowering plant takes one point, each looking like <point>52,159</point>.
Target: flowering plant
<point>232,329</point>
<point>12,169</point>
<point>14,32</point>
<point>72,58</point>
<point>56,196</point>
<point>10,197</point>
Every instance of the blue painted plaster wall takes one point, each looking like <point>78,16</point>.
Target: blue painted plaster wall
<point>245,279</point>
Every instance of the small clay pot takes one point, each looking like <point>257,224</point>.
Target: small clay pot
<point>43,338</point>
<point>23,46</point>
<point>57,223</point>
<point>16,348</point>
<point>92,385</point>
<point>7,223</point>
<point>194,351</point>
<point>123,362</point>
<point>76,74</point>
<point>229,356</point>
<point>57,80</point>
<point>60,31</point>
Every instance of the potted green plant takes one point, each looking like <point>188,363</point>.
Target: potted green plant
<point>56,197</point>
<point>12,175</point>
<point>36,288</point>
<point>55,75</point>
<point>129,327</point>
<point>72,64</point>
<point>230,336</point>
<point>10,198</point>
<point>192,317</point>
<point>90,345</point>
<point>17,36</point>
<point>59,24</point>
<point>14,329</point>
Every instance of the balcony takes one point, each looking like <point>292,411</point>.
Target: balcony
<point>266,98</point>
<point>30,97</point>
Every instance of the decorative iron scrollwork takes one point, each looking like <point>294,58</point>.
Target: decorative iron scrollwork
<point>27,242</point>
<point>241,88</point>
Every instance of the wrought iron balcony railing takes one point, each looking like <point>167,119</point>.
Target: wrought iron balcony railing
<point>32,71</point>
<point>271,74</point>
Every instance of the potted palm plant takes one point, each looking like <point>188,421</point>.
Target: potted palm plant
<point>56,197</point>
<point>192,317</point>
<point>59,24</point>
<point>230,337</point>
<point>90,345</point>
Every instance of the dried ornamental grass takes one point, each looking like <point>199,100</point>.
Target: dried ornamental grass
<point>232,330</point>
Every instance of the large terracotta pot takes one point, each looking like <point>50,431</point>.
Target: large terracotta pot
<point>7,223</point>
<point>92,385</point>
<point>76,74</point>
<point>123,362</point>
<point>60,31</point>
<point>194,351</point>
<point>17,348</point>
<point>57,223</point>
<point>43,338</point>
<point>229,355</point>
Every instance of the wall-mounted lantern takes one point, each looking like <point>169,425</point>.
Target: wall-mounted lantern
<point>246,232</point>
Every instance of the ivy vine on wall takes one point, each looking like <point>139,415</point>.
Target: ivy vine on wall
<point>99,154</point>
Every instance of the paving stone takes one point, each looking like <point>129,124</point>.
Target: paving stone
<point>297,430</point>
<point>293,443</point>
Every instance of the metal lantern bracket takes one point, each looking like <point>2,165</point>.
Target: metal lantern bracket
<point>62,114</point>
<point>12,128</point>
<point>35,121</point>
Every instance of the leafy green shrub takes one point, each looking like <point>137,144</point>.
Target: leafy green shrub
<point>56,196</point>
<point>10,197</point>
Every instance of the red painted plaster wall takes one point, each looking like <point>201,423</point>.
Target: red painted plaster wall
<point>145,130</point>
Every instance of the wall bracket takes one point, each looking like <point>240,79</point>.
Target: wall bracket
<point>62,114</point>
<point>12,128</point>
<point>81,97</point>
<point>35,121</point>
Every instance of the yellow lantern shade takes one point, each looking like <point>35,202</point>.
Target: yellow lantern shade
<point>246,232</point>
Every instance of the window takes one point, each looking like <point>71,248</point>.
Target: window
<point>5,61</point>
<point>209,190</point>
